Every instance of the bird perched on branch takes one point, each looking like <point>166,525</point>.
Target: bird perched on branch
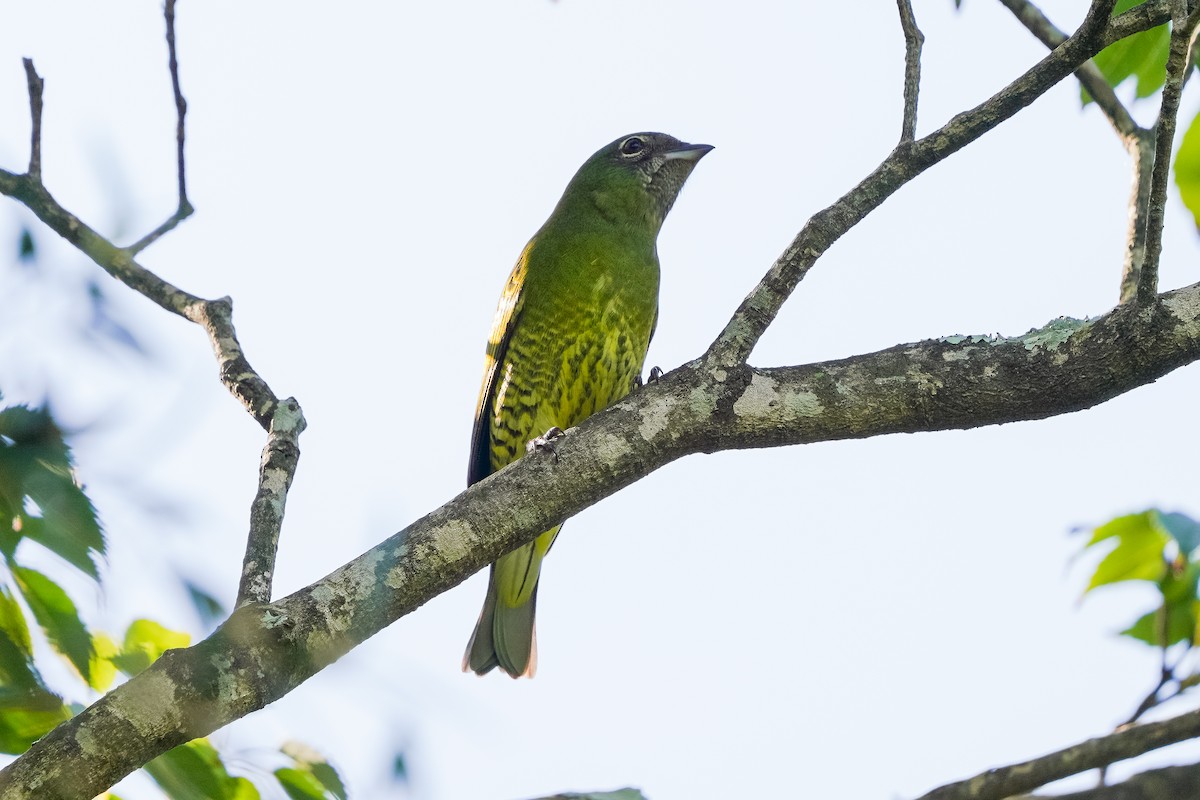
<point>569,339</point>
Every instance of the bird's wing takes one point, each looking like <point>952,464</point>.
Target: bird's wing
<point>503,324</point>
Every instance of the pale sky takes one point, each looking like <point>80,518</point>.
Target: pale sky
<point>857,619</point>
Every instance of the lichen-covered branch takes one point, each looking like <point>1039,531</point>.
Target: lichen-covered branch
<point>266,650</point>
<point>1003,782</point>
<point>913,41</point>
<point>1183,34</point>
<point>1138,141</point>
<point>1153,784</point>
<point>283,421</point>
<point>279,460</point>
<point>907,161</point>
<point>1089,74</point>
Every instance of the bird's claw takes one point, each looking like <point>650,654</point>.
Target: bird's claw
<point>655,374</point>
<point>547,442</point>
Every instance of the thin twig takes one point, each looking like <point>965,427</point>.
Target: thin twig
<point>913,41</point>
<point>1099,752</point>
<point>756,313</point>
<point>1138,141</point>
<point>1183,32</point>
<point>1139,205</point>
<point>36,85</point>
<point>184,209</point>
<point>284,421</point>
<point>1088,74</point>
<point>279,460</point>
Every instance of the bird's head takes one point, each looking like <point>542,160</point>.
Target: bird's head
<point>639,174</point>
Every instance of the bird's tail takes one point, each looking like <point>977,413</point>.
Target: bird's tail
<point>505,636</point>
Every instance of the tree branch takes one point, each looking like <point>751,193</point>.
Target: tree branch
<point>265,650</point>
<point>913,41</point>
<point>1138,141</point>
<point>997,784</point>
<point>283,421</point>
<point>758,310</point>
<point>1153,784</point>
<point>1183,34</point>
<point>184,209</point>
<point>1088,74</point>
<point>36,85</point>
<point>279,460</point>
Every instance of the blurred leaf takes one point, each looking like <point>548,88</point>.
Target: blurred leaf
<point>26,716</point>
<point>400,768</point>
<point>1138,554</point>
<point>17,672</point>
<point>312,763</point>
<point>1180,627</point>
<point>1143,56</point>
<point>26,249</point>
<point>194,771</point>
<point>12,622</point>
<point>1187,169</point>
<point>1183,529</point>
<point>57,616</point>
<point>145,641</point>
<point>103,671</point>
<point>35,465</point>
<point>300,785</point>
<point>103,323</point>
<point>207,607</point>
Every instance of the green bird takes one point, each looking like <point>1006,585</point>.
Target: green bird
<point>569,339</point>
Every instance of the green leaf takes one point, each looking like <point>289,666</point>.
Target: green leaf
<point>1187,169</point>
<point>26,250</point>
<point>12,622</point>
<point>145,641</point>
<point>103,671</point>
<point>1149,628</point>
<point>312,762</point>
<point>1138,554</point>
<point>35,467</point>
<point>57,616</point>
<point>208,607</point>
<point>26,716</point>
<point>194,771</point>
<point>17,672</point>
<point>1183,529</point>
<point>1142,56</point>
<point>300,785</point>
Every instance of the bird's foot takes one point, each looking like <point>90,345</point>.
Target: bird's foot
<point>655,374</point>
<point>547,442</point>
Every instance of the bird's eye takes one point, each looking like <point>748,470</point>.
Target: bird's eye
<point>632,146</point>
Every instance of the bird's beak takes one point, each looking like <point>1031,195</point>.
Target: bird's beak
<point>688,152</point>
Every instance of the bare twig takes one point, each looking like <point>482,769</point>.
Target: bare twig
<point>1088,74</point>
<point>1142,154</point>
<point>283,421</point>
<point>36,85</point>
<point>913,41</point>
<point>184,209</point>
<point>1183,33</point>
<point>280,456</point>
<point>1099,752</point>
<point>1138,141</point>
<point>759,309</point>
